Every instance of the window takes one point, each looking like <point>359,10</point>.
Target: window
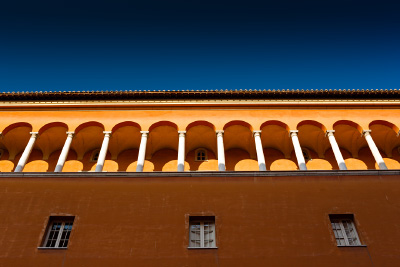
<point>202,232</point>
<point>58,232</point>
<point>344,230</point>
<point>95,155</point>
<point>306,154</point>
<point>201,154</point>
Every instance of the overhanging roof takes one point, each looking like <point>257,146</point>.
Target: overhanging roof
<point>204,94</point>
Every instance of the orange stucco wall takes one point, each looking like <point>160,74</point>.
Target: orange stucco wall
<point>260,221</point>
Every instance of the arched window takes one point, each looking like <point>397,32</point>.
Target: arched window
<point>95,155</point>
<point>306,154</point>
<point>201,154</point>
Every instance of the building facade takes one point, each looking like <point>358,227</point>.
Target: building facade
<point>200,178</point>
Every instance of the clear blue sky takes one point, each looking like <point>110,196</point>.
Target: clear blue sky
<point>128,45</point>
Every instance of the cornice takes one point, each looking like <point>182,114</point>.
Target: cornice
<point>215,94</point>
<point>202,103</point>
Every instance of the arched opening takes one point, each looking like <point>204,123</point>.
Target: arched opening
<point>315,146</point>
<point>201,138</point>
<point>162,145</point>
<point>14,139</point>
<point>277,146</point>
<point>124,144</point>
<point>353,145</point>
<point>240,150</point>
<point>385,136</point>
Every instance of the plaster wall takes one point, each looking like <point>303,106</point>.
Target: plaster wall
<point>260,221</point>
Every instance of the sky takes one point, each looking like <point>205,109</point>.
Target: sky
<point>179,45</point>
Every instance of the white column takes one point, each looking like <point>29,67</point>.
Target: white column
<point>181,151</point>
<point>103,152</point>
<point>25,155</point>
<point>142,151</point>
<point>297,150</point>
<point>374,150</point>
<point>221,150</point>
<point>64,152</point>
<point>259,150</point>
<point>336,150</point>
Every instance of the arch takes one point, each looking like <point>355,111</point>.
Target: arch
<point>88,124</point>
<point>312,122</point>
<point>312,135</point>
<point>277,123</point>
<point>125,123</point>
<point>200,134</point>
<point>51,125</point>
<point>385,135</point>
<point>238,122</point>
<point>197,123</point>
<point>349,123</point>
<point>163,123</point>
<point>275,134</point>
<point>125,136</point>
<point>51,138</point>
<point>89,136</point>
<point>15,125</point>
<point>239,134</point>
<point>162,135</point>
<point>385,123</point>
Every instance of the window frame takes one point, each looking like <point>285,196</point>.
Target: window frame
<point>96,151</point>
<point>306,154</point>
<point>201,221</point>
<point>197,151</point>
<point>349,220</point>
<point>65,221</point>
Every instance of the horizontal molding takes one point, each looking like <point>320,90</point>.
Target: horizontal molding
<point>200,104</point>
<point>225,174</point>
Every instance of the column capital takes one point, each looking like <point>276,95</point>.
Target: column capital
<point>107,133</point>
<point>219,132</point>
<point>329,132</point>
<point>71,134</point>
<point>293,133</point>
<point>366,132</point>
<point>257,133</point>
<point>144,132</point>
<point>181,133</point>
<point>34,134</point>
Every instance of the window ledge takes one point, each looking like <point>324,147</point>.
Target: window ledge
<point>45,248</point>
<point>357,246</point>
<point>202,248</point>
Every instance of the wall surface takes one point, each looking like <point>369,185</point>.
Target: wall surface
<point>143,221</point>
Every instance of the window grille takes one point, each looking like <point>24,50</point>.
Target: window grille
<point>95,155</point>
<point>201,155</point>
<point>306,154</point>
<point>202,232</point>
<point>58,232</point>
<point>345,231</point>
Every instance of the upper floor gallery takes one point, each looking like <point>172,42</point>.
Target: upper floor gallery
<point>199,135</point>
